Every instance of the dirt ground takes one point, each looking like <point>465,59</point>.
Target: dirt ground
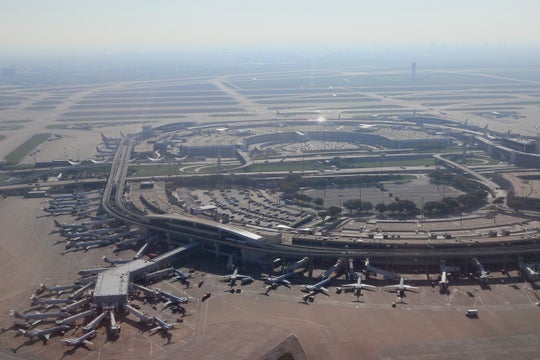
<point>246,325</point>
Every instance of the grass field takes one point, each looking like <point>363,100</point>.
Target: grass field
<point>25,148</point>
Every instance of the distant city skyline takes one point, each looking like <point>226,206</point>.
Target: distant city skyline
<point>62,26</point>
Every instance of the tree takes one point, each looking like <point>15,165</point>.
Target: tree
<point>319,201</point>
<point>333,211</point>
<point>366,206</point>
<point>380,207</point>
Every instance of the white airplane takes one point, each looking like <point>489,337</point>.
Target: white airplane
<point>87,245</point>
<point>484,275</point>
<point>140,252</point>
<point>92,271</point>
<point>358,286</point>
<point>114,327</point>
<point>49,301</point>
<point>401,287</point>
<point>72,226</point>
<point>81,340</point>
<point>147,291</point>
<point>77,304</point>
<point>59,289</point>
<point>162,325</point>
<point>129,242</point>
<point>173,299</point>
<point>181,275</point>
<point>45,333</point>
<point>79,292</point>
<point>38,316</point>
<point>317,288</point>
<point>60,211</point>
<point>74,318</point>
<point>274,282</point>
<point>92,325</point>
<point>236,276</point>
<point>114,261</point>
<point>93,233</point>
<point>296,265</point>
<point>443,283</point>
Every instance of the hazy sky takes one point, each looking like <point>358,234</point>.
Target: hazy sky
<point>54,26</point>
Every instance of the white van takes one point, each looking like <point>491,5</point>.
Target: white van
<point>471,313</point>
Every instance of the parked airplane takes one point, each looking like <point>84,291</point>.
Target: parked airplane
<point>147,291</point>
<point>59,289</point>
<point>358,287</point>
<point>128,242</point>
<point>81,340</point>
<point>296,265</point>
<point>48,301</point>
<point>401,287</point>
<point>92,325</point>
<point>331,270</point>
<point>181,275</point>
<point>162,325</point>
<point>72,226</point>
<point>73,318</point>
<point>45,333</point>
<point>62,196</point>
<point>87,244</point>
<point>83,226</point>
<point>92,271</point>
<point>38,316</point>
<point>140,252</point>
<point>388,275</point>
<point>79,292</point>
<point>94,233</point>
<point>275,282</point>
<point>60,211</point>
<point>443,283</point>
<point>142,316</point>
<point>318,287</point>
<point>114,261</point>
<point>77,304</point>
<point>114,327</point>
<point>236,276</point>
<point>484,275</point>
<point>173,299</point>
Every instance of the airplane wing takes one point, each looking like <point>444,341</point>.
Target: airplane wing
<point>350,285</point>
<point>286,282</point>
<point>325,291</point>
<point>86,342</point>
<point>409,287</point>
<point>240,276</point>
<point>155,329</point>
<point>392,287</point>
<point>369,287</point>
